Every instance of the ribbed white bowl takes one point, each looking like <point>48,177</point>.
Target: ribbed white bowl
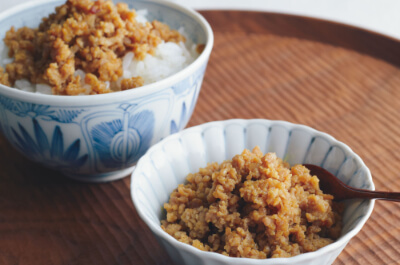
<point>167,163</point>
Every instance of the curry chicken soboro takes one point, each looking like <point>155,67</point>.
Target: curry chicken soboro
<point>254,206</point>
<point>89,35</point>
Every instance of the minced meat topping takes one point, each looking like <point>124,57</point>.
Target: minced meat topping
<point>82,34</point>
<point>253,206</point>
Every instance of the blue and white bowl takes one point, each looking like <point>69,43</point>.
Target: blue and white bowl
<point>167,164</point>
<point>101,137</point>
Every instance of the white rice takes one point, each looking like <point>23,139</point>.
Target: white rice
<point>141,16</point>
<point>4,54</point>
<point>169,58</point>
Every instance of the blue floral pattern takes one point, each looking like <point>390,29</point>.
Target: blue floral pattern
<point>24,109</point>
<point>182,121</point>
<point>39,147</point>
<point>46,112</point>
<point>181,87</point>
<point>121,142</point>
<point>185,115</point>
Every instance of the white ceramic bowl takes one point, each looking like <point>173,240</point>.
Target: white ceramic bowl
<point>101,137</point>
<point>167,163</point>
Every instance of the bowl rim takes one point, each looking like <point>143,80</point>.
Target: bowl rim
<point>63,100</point>
<point>341,242</point>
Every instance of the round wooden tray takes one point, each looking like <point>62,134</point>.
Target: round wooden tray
<point>335,78</point>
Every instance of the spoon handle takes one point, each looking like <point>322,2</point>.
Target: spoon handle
<point>369,194</point>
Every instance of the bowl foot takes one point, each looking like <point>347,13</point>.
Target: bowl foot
<point>102,177</point>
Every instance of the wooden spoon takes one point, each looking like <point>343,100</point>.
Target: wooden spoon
<point>330,184</point>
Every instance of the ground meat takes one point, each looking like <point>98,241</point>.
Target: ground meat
<point>4,78</point>
<point>133,82</point>
<point>253,206</point>
<point>82,34</point>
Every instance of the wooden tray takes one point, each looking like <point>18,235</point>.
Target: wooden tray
<point>335,78</point>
